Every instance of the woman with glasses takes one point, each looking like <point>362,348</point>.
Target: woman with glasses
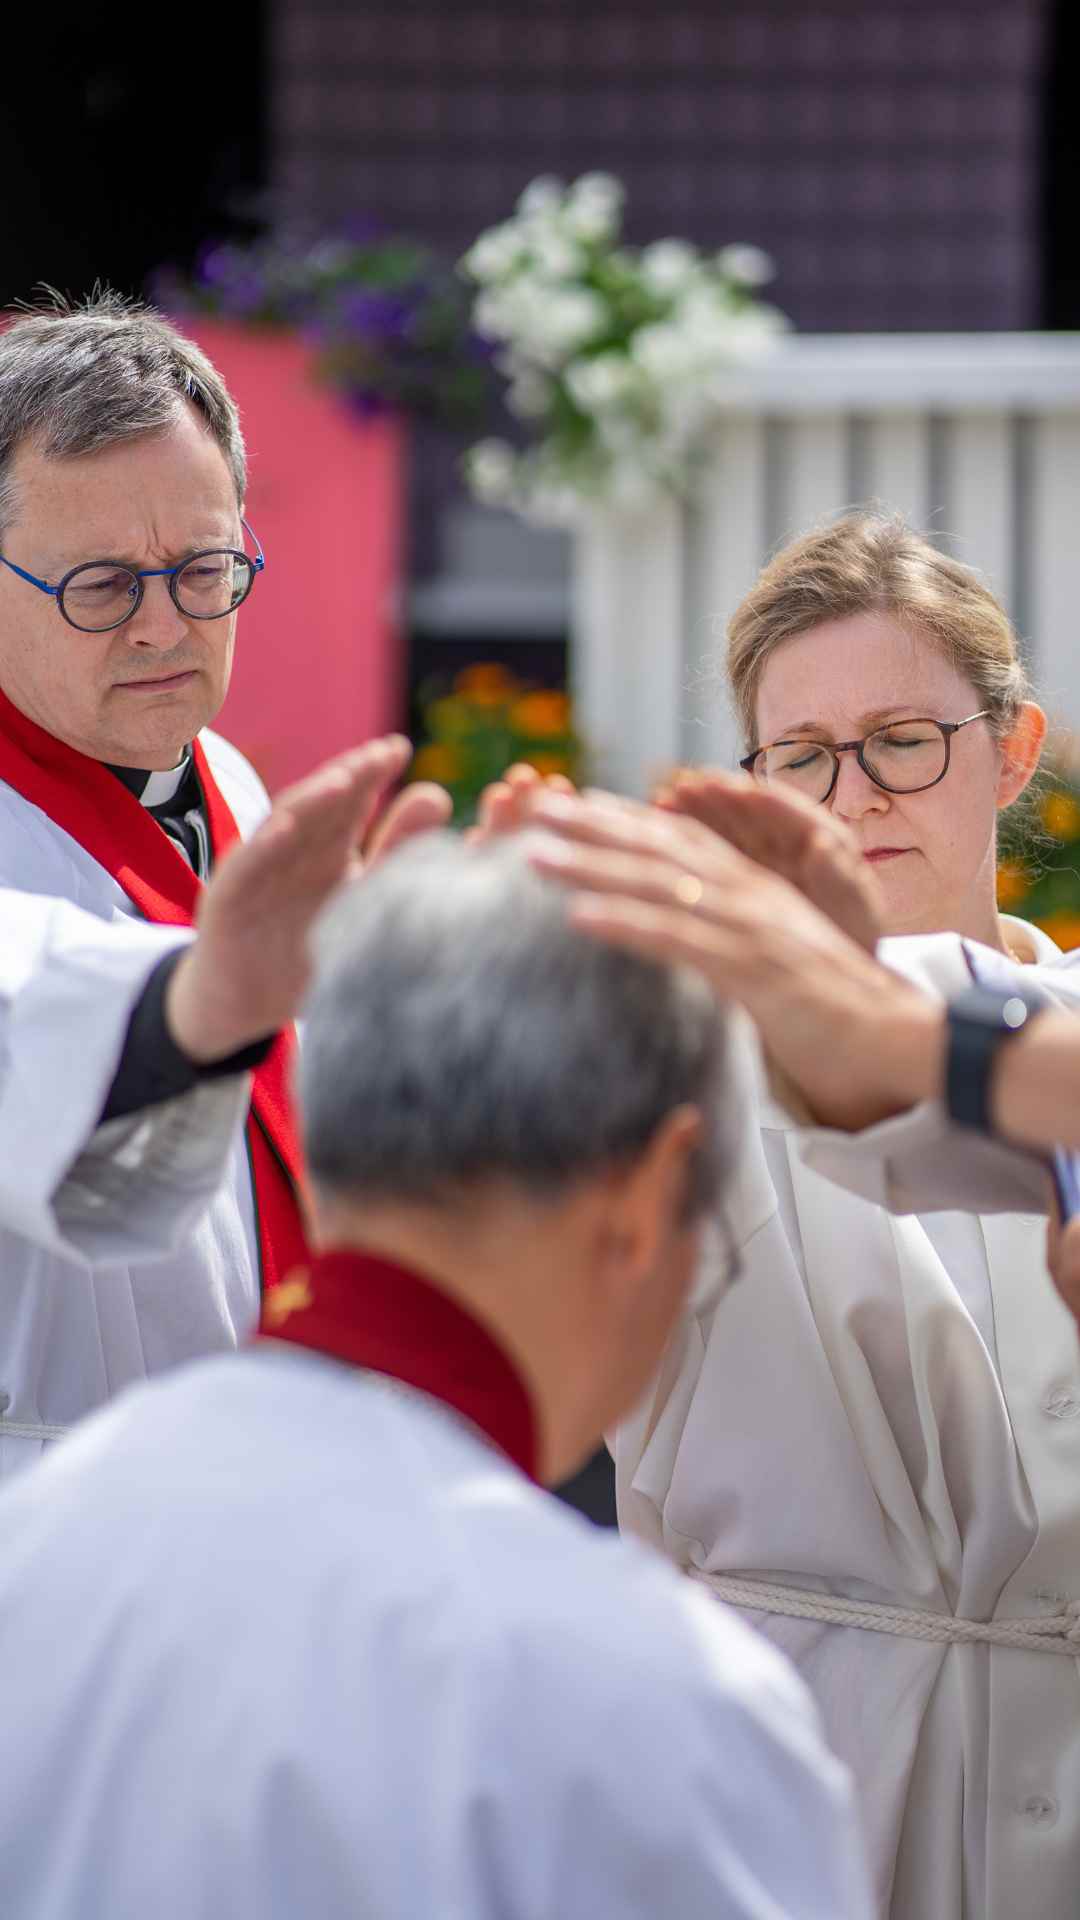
<point>874,1450</point>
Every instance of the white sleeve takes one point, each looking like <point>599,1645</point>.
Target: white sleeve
<point>69,983</point>
<point>920,1162</point>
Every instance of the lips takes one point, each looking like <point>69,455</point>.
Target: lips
<point>878,854</point>
<point>164,681</point>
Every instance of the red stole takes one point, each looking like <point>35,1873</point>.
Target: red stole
<point>99,812</point>
<point>362,1309</point>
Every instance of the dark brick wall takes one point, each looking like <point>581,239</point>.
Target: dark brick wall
<point>886,151</point>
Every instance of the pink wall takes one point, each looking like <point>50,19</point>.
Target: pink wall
<point>318,655</point>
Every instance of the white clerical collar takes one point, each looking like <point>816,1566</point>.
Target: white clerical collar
<point>161,787</point>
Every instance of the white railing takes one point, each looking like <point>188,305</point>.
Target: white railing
<point>973,437</point>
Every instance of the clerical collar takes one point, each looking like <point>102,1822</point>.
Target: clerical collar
<point>370,1313</point>
<point>152,788</point>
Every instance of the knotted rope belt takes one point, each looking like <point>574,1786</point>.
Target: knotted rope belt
<point>1050,1633</point>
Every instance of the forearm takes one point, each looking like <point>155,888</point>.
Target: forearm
<point>153,1066</point>
<point>1035,1089</point>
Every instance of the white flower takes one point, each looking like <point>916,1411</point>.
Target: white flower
<point>494,315</point>
<point>560,321</point>
<point>602,382</point>
<point>529,396</point>
<point>494,254</point>
<point>554,254</point>
<point>665,352</point>
<point>593,206</point>
<point>750,266</point>
<point>542,196</point>
<point>667,265</point>
<point>490,470</point>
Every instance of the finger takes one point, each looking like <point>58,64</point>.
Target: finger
<point>521,777</point>
<point>420,809</point>
<point>603,871</point>
<point>371,766</point>
<point>664,935</point>
<point>490,807</point>
<point>632,828</point>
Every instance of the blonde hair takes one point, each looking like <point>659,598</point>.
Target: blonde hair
<point>875,563</point>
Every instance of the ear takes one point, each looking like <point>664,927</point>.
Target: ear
<point>1020,752</point>
<point>644,1203</point>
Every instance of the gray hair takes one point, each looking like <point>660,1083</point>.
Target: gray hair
<point>76,379</point>
<point>460,1028</point>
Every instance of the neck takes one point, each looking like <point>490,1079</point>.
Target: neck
<point>497,1261</point>
<point>975,915</point>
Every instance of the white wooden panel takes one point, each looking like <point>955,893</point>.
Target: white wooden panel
<point>726,552</point>
<point>978,518</point>
<point>1054,563</point>
<point>898,464</point>
<point>627,643</point>
<point>813,482</point>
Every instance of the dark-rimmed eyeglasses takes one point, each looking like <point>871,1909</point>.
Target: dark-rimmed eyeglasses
<point>907,756</point>
<point>98,595</point>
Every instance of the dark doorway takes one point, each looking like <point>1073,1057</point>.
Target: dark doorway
<point>1061,168</point>
<point>129,135</point>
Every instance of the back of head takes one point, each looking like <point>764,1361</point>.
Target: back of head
<point>870,562</point>
<point>461,1030</point>
<point>77,379</point>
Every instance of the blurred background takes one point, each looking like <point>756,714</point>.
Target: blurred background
<point>299,180</point>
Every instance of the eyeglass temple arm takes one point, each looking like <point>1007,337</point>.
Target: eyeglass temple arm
<point>41,585</point>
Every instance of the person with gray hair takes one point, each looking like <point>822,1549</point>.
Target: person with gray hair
<point>124,559</point>
<point>294,1631</point>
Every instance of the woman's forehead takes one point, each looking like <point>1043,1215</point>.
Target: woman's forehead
<point>854,672</point>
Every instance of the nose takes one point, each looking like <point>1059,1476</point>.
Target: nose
<point>159,624</point>
<point>855,794</point>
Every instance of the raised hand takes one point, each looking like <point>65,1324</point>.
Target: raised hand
<point>802,843</point>
<point>856,1040</point>
<point>248,967</point>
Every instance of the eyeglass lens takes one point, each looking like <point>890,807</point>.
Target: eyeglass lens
<point>902,758</point>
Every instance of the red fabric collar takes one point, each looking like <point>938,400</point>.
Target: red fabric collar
<point>108,821</point>
<point>370,1313</point>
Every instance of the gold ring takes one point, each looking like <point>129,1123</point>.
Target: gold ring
<point>689,890</point>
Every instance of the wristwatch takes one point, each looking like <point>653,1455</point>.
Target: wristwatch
<point>979,1022</point>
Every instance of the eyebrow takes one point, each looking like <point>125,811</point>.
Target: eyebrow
<point>802,729</point>
<point>205,542</point>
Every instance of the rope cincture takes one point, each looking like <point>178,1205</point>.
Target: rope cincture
<point>1049,1633</point>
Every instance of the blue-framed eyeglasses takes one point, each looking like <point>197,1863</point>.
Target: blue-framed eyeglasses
<point>98,595</point>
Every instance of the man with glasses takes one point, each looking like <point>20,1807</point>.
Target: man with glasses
<point>125,559</point>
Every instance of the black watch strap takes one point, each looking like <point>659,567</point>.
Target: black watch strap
<point>979,1023</point>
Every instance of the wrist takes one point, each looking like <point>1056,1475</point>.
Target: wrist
<point>894,1060</point>
<point>203,1028</point>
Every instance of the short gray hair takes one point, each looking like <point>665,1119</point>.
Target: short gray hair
<point>76,379</point>
<point>460,1028</point>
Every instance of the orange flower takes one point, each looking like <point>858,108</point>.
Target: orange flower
<point>1061,816</point>
<point>487,684</point>
<point>437,761</point>
<point>1013,881</point>
<point>541,715</point>
<point>1062,927</point>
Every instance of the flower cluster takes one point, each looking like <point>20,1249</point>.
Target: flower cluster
<point>612,354</point>
<point>486,721</point>
<point>1038,874</point>
<point>388,323</point>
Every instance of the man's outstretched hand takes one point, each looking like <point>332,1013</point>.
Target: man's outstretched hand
<point>246,972</point>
